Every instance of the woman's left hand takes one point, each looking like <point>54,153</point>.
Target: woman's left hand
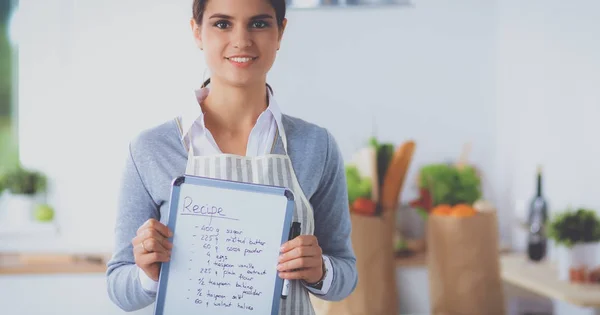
<point>301,258</point>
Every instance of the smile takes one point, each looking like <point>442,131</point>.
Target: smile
<point>241,59</point>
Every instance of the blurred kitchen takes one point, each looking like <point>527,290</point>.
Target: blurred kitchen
<point>492,108</point>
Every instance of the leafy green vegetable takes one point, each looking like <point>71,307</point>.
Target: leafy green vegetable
<point>362,186</point>
<point>468,189</point>
<point>357,186</point>
<point>448,184</point>
<point>573,227</point>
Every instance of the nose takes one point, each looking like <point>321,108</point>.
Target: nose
<point>242,38</point>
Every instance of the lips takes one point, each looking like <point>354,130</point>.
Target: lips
<point>241,59</point>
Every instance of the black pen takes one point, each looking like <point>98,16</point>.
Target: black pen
<point>294,232</point>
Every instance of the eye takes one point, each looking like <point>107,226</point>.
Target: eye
<point>222,24</point>
<point>259,24</point>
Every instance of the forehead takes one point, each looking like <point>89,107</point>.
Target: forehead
<point>238,8</point>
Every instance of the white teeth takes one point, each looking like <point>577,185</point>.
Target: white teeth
<point>238,59</point>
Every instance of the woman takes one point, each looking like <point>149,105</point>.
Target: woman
<point>234,117</point>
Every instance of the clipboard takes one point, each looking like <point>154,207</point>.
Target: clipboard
<point>226,240</point>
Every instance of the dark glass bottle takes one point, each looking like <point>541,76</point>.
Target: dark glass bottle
<point>538,217</point>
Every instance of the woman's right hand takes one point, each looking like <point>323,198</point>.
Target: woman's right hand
<point>151,247</point>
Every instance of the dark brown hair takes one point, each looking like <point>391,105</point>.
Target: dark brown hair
<point>198,13</point>
<point>279,6</point>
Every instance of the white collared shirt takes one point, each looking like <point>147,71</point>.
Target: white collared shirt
<point>260,139</point>
<point>259,143</point>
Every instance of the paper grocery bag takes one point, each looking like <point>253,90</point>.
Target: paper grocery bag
<point>376,291</point>
<point>464,265</point>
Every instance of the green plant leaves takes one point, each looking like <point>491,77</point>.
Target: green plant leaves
<point>9,157</point>
<point>357,186</point>
<point>450,185</point>
<point>573,227</point>
<point>23,181</point>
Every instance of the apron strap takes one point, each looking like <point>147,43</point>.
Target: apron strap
<point>275,141</point>
<point>185,145</point>
<point>188,146</point>
<point>282,135</point>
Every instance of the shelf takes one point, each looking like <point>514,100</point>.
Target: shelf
<point>542,278</point>
<point>18,264</point>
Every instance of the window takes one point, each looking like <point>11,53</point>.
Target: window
<point>8,74</point>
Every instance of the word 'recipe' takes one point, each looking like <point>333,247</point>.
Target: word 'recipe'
<point>189,208</point>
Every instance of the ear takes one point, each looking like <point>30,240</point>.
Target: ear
<point>281,31</point>
<point>196,33</point>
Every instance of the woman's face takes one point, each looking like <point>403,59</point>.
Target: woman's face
<point>240,39</point>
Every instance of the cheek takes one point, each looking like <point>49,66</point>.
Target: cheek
<point>215,62</point>
<point>213,47</point>
<point>213,56</point>
<point>268,49</point>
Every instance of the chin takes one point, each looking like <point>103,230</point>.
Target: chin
<point>242,81</point>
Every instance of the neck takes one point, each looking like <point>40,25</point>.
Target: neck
<point>234,109</point>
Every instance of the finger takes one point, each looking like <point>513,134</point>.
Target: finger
<point>149,245</point>
<point>302,240</point>
<point>153,245</point>
<point>298,252</point>
<point>151,233</point>
<point>139,251</point>
<point>145,225</point>
<point>156,225</point>
<point>300,263</point>
<point>297,275</point>
<point>154,257</point>
<point>142,235</point>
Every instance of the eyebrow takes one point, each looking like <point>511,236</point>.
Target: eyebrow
<point>228,17</point>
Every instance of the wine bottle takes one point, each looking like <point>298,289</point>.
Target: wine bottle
<point>538,217</point>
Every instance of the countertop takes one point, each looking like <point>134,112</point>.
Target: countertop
<point>542,278</point>
<point>18,263</point>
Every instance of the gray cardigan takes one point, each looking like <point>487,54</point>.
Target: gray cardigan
<point>158,155</point>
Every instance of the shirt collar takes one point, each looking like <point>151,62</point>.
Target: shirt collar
<point>193,114</point>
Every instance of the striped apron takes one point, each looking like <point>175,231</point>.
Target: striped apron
<point>271,169</point>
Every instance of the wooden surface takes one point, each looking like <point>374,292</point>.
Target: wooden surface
<point>419,259</point>
<point>542,278</point>
<point>415,260</point>
<point>17,264</point>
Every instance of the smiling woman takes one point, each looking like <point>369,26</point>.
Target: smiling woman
<point>234,130</point>
<point>256,42</point>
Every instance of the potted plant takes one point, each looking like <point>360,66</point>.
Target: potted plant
<point>23,187</point>
<point>576,234</point>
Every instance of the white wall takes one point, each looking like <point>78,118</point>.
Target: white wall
<point>548,102</point>
<point>423,72</point>
<point>499,73</point>
<point>102,73</point>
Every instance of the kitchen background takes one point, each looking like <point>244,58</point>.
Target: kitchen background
<point>516,79</point>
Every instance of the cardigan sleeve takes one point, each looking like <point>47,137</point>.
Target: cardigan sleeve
<point>332,224</point>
